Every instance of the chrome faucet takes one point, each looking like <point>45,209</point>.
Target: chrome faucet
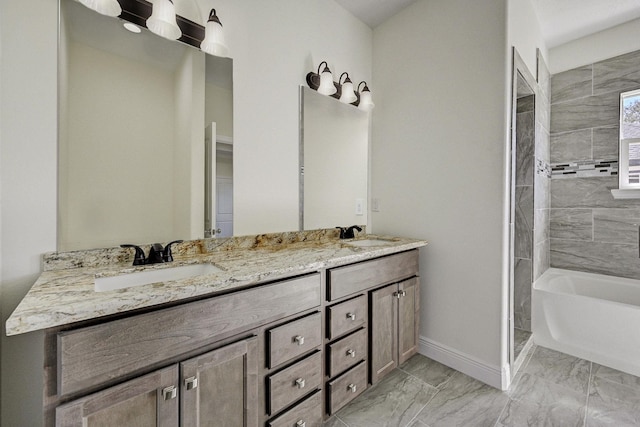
<point>157,253</point>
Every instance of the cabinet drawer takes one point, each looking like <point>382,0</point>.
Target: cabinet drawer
<point>354,278</point>
<point>294,382</point>
<point>347,387</point>
<point>307,413</point>
<point>294,338</point>
<point>102,353</point>
<point>347,316</point>
<point>347,351</point>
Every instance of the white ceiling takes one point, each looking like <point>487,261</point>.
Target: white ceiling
<point>560,20</point>
<point>374,12</point>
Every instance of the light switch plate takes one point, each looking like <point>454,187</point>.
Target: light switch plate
<point>359,207</point>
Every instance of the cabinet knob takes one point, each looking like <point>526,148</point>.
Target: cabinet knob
<point>299,339</point>
<point>170,392</point>
<point>351,353</point>
<point>301,423</point>
<point>300,382</point>
<point>351,316</point>
<point>352,388</point>
<point>191,383</point>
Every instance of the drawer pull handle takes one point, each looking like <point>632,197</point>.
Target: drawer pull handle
<point>352,388</point>
<point>170,392</point>
<point>351,316</point>
<point>191,383</point>
<point>300,382</point>
<point>299,339</point>
<point>351,353</point>
<point>400,294</point>
<point>301,424</point>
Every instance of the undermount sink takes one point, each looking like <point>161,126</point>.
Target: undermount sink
<point>369,242</point>
<point>111,283</point>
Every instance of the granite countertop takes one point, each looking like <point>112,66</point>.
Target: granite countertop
<point>64,293</point>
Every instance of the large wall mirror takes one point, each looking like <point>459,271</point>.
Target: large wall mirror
<point>334,158</point>
<point>136,115</point>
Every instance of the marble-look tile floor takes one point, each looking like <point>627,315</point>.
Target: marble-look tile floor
<point>551,389</point>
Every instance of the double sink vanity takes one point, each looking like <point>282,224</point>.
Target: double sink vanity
<point>271,330</point>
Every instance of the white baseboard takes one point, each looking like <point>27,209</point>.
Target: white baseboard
<point>469,365</point>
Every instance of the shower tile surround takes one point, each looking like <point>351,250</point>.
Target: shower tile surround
<point>64,292</point>
<point>590,230</point>
<point>531,222</point>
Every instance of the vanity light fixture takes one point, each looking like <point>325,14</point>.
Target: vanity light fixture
<point>163,20</point>
<point>104,7</point>
<point>347,95</point>
<point>322,81</point>
<point>214,42</point>
<point>365,102</point>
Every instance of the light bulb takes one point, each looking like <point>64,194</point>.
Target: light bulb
<point>326,82</point>
<point>348,95</point>
<point>163,20</point>
<point>104,7</point>
<point>366,103</point>
<point>214,41</point>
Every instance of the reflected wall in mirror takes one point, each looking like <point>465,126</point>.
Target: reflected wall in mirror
<point>133,109</point>
<point>334,157</point>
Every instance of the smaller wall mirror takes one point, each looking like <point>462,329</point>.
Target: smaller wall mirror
<point>334,159</point>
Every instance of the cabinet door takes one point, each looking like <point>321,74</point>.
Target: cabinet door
<point>148,401</point>
<point>220,388</point>
<point>408,318</point>
<point>383,326</point>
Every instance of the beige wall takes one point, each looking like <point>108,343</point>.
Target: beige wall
<point>603,45</point>
<point>28,107</point>
<point>439,169</point>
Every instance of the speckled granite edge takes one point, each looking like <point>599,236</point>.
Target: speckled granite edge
<point>52,261</point>
<point>66,296</point>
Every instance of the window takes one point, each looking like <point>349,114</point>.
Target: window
<point>629,164</point>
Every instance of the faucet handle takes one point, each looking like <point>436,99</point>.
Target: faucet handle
<point>138,258</point>
<point>342,231</point>
<point>167,255</point>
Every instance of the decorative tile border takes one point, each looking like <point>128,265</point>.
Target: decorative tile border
<point>584,169</point>
<point>543,168</point>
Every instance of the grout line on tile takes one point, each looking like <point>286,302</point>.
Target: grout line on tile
<point>586,405</point>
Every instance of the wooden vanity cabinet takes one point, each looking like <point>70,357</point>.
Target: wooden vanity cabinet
<point>286,353</point>
<point>219,387</point>
<point>116,370</point>
<point>393,326</point>
<point>372,323</point>
<point>150,400</point>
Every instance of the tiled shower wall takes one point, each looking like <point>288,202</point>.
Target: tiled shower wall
<point>524,212</point>
<point>542,186</point>
<point>531,243</point>
<point>590,230</point>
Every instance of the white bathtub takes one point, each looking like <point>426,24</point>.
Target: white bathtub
<point>591,316</point>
